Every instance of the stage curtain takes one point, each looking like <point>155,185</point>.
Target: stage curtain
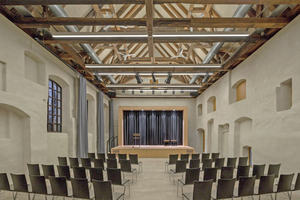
<point>153,126</point>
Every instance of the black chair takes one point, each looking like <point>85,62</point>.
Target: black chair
<point>64,171</point>
<point>185,157</point>
<point>202,190</point>
<point>91,156</point>
<point>225,189</point>
<point>38,185</point>
<point>103,191</point>
<point>114,175</point>
<point>172,161</point>
<point>134,161</point>
<point>20,184</point>
<point>112,163</point>
<point>296,186</point>
<point>196,156</point>
<point>59,186</point>
<point>79,172</point>
<point>242,171</point>
<point>126,168</point>
<point>258,171</point>
<point>231,162</point>
<point>34,169</point>
<point>99,163</point>
<point>274,169</point>
<point>180,168</point>
<point>122,156</point>
<point>219,162</point>
<point>62,161</point>
<point>243,161</point>
<point>86,162</point>
<point>191,175</point>
<point>4,183</point>
<point>227,172</point>
<point>48,170</point>
<point>80,188</point>
<point>214,156</point>
<point>210,174</point>
<point>101,156</point>
<point>194,163</point>
<point>74,162</point>
<point>266,184</point>
<point>96,174</point>
<point>206,163</point>
<point>246,187</point>
<point>111,156</point>
<point>205,156</point>
<point>285,184</point>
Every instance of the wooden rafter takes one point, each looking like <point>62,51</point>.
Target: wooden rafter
<point>150,16</point>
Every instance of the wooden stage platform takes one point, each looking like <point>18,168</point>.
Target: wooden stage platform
<point>153,151</point>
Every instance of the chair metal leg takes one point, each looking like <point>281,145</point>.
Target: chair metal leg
<point>290,197</point>
<point>275,196</point>
<point>272,196</point>
<point>258,197</point>
<point>15,196</point>
<point>33,197</point>
<point>28,196</point>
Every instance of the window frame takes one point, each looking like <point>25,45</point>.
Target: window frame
<point>54,125</point>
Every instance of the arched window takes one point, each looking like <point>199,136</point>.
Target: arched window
<point>54,107</point>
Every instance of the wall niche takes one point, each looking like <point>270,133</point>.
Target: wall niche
<point>211,104</point>
<point>284,100</point>
<point>35,69</point>
<point>2,76</point>
<point>199,110</point>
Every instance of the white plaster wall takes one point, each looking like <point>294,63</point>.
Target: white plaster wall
<point>275,136</point>
<point>190,103</point>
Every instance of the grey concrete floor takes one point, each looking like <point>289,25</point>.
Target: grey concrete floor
<point>152,184</point>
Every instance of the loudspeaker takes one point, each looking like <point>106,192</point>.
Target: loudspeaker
<point>112,94</point>
<point>194,94</point>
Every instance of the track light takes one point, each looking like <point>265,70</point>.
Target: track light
<point>141,91</point>
<point>165,91</point>
<point>168,79</point>
<point>182,91</point>
<point>205,79</point>
<point>138,78</point>
<point>132,92</point>
<point>153,92</point>
<point>123,91</point>
<point>153,77</point>
<point>173,92</point>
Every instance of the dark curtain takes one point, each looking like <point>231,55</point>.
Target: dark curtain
<point>154,126</point>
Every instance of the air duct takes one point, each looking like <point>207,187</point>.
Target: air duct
<point>241,11</point>
<point>58,11</point>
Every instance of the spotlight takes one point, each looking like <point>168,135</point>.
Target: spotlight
<point>153,92</point>
<point>138,78</point>
<point>141,91</point>
<point>205,79</point>
<point>165,91</point>
<point>123,91</point>
<point>153,78</point>
<point>182,91</point>
<point>132,91</point>
<point>173,92</point>
<point>168,79</point>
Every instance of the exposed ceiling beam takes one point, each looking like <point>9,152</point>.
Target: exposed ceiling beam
<point>150,16</point>
<point>157,22</point>
<point>80,2</point>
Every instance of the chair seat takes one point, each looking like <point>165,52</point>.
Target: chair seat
<point>188,195</point>
<point>117,196</point>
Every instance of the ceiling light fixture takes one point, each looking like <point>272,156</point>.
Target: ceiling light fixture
<point>150,66</point>
<point>154,96</point>
<point>98,35</point>
<point>153,86</point>
<point>153,74</point>
<point>153,78</point>
<point>168,79</point>
<point>138,78</point>
<point>132,92</point>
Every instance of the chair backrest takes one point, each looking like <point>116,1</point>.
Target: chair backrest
<point>192,175</point>
<point>274,169</point>
<point>62,161</point>
<point>227,172</point>
<point>122,156</point>
<point>134,159</point>
<point>80,188</point>
<point>225,188</point>
<point>38,184</point>
<point>125,165</point>
<point>258,171</point>
<point>196,156</point>
<point>103,190</point>
<point>79,172</point>
<point>194,163</point>
<point>180,166</point>
<point>242,171</point>
<point>92,156</point>
<point>173,158</point>
<point>219,162</point>
<point>86,162</point>
<point>34,169</point>
<point>202,190</point>
<point>210,174</point>
<point>246,186</point>
<point>101,156</point>
<point>207,163</point>
<point>48,170</point>
<point>231,162</point>
<point>285,182</point>
<point>4,184</point>
<point>112,163</point>
<point>297,183</point>
<point>73,162</point>
<point>19,182</point>
<point>64,171</point>
<point>99,163</point>
<point>243,161</point>
<point>111,156</point>
<point>214,156</point>
<point>266,184</point>
<point>114,175</point>
<point>96,174</point>
<point>185,157</point>
<point>58,186</point>
<point>204,156</point>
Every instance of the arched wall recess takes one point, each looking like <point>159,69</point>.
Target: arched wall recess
<point>223,140</point>
<point>201,136</point>
<point>35,68</point>
<point>242,134</point>
<point>210,132</point>
<point>238,91</point>
<point>211,104</point>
